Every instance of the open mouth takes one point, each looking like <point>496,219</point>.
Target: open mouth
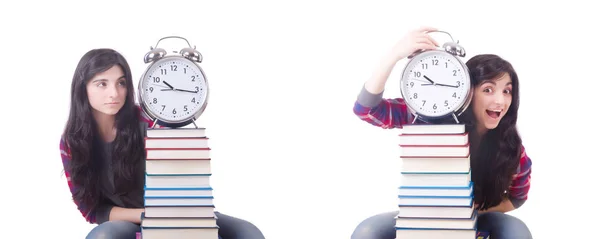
<point>493,113</point>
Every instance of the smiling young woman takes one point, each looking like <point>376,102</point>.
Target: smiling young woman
<point>501,170</point>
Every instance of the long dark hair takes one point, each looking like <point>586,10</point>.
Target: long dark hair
<point>496,159</point>
<point>82,138</point>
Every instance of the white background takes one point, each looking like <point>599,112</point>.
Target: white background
<point>288,153</point>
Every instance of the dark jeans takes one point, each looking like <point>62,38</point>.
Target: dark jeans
<point>500,226</point>
<point>230,228</point>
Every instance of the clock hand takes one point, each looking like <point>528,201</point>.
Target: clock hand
<point>169,85</point>
<point>417,79</point>
<point>454,86</point>
<point>427,78</point>
<point>175,89</point>
<point>191,91</point>
<point>157,85</point>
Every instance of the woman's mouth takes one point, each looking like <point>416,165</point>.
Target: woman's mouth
<point>493,113</point>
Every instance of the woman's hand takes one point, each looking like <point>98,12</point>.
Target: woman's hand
<point>413,41</point>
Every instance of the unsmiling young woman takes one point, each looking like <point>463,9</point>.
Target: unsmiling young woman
<point>102,151</point>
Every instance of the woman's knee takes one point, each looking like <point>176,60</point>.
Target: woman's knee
<point>504,226</point>
<point>237,228</point>
<point>515,228</point>
<point>114,230</point>
<point>380,226</point>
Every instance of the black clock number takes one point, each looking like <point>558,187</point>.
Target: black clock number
<point>457,83</point>
<point>156,79</point>
<point>173,67</point>
<point>193,77</point>
<point>412,84</point>
<point>151,89</point>
<point>445,102</point>
<point>417,74</point>
<point>185,108</point>
<point>197,88</point>
<point>424,102</point>
<point>446,64</point>
<point>434,62</point>
<point>434,106</point>
<point>174,111</point>
<point>415,95</point>
<point>184,70</point>
<point>163,71</point>
<point>424,65</point>
<point>154,100</point>
<point>163,107</point>
<point>193,100</point>
<point>454,72</point>
<point>454,95</point>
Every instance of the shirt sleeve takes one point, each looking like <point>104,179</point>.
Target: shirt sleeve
<point>86,212</point>
<point>519,188</point>
<point>384,113</point>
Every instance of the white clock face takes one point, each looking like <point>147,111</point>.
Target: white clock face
<point>434,84</point>
<point>174,89</point>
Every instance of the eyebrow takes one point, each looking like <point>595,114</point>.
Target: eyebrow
<point>494,82</point>
<point>103,79</point>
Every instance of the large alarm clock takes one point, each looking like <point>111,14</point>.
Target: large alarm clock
<point>173,90</point>
<point>435,84</point>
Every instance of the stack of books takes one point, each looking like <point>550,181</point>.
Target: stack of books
<point>435,197</point>
<point>178,197</point>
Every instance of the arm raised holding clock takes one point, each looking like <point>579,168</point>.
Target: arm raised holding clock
<point>390,113</point>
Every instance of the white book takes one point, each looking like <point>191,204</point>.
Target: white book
<point>415,151</point>
<point>443,223</point>
<point>175,132</point>
<point>433,129</point>
<point>436,201</point>
<point>203,191</point>
<point>436,164</point>
<point>434,233</point>
<point>433,139</point>
<point>435,180</point>
<point>177,181</point>
<point>166,142</point>
<point>178,153</point>
<point>436,191</point>
<point>180,233</point>
<point>179,211</point>
<point>177,201</point>
<point>176,166</point>
<point>178,222</point>
<point>436,211</point>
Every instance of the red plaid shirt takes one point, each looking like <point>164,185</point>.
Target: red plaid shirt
<point>65,154</point>
<point>393,113</point>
